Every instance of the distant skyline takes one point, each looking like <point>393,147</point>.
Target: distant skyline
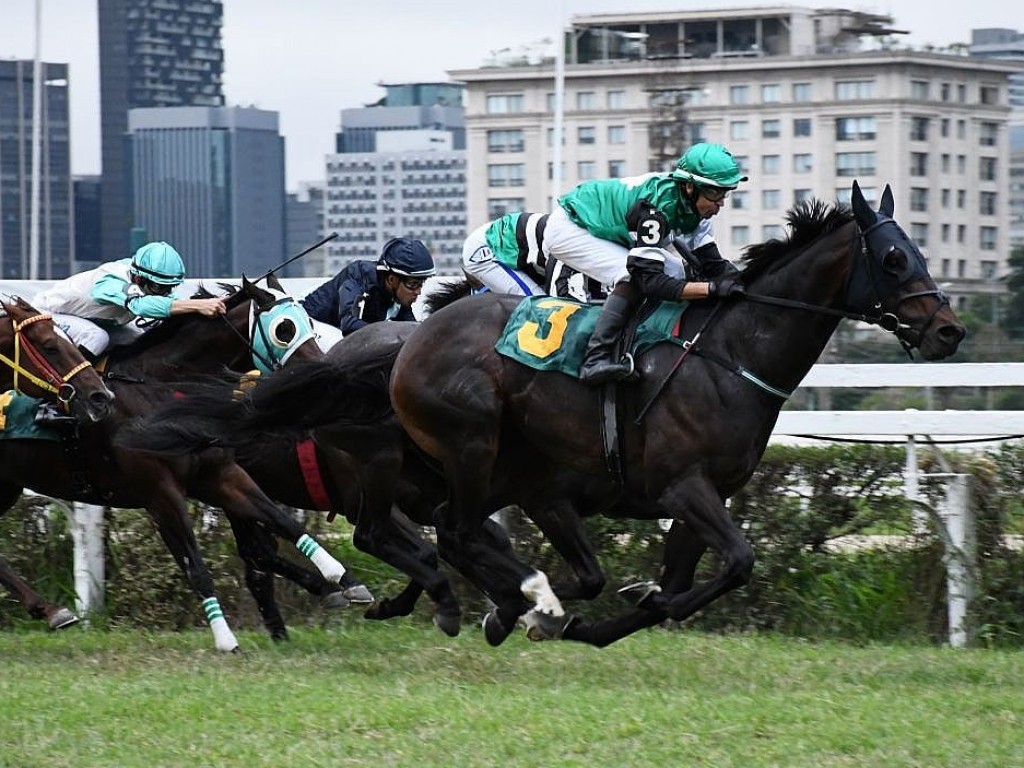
<point>309,59</point>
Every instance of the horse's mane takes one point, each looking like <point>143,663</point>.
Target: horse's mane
<point>808,220</point>
<point>445,295</point>
<point>171,326</point>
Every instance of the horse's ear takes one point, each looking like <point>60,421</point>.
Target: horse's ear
<point>888,204</point>
<point>861,210</point>
<point>273,283</point>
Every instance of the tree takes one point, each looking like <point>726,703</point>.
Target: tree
<point>1013,313</point>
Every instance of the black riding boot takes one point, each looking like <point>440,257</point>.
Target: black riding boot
<point>599,363</point>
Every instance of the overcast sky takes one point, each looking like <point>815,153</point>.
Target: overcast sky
<point>309,59</point>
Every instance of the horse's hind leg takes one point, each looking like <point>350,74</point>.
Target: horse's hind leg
<point>38,607</point>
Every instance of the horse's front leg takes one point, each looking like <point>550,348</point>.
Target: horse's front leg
<point>230,488</point>
<point>168,510</point>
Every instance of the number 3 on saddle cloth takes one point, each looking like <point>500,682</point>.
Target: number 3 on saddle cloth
<point>550,334</point>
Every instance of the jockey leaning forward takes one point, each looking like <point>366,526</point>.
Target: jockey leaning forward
<point>615,231</point>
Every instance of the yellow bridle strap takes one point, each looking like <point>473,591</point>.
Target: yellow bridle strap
<point>15,364</point>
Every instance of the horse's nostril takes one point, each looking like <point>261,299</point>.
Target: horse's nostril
<point>952,333</point>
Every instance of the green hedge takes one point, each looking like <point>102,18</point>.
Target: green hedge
<point>795,508</point>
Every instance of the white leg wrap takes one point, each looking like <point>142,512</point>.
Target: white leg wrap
<point>223,638</point>
<point>330,568</point>
<point>537,588</point>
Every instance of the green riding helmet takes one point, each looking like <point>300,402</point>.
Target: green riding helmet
<point>709,165</point>
<point>158,263</point>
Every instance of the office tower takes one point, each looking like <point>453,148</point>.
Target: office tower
<point>153,53</point>
<point>400,171</point>
<point>88,253</point>
<point>210,181</point>
<point>16,123</point>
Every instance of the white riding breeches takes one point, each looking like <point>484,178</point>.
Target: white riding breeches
<point>478,261</point>
<point>326,335</point>
<point>602,260</point>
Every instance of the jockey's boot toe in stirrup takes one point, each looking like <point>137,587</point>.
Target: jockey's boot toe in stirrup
<point>52,415</point>
<point>601,370</point>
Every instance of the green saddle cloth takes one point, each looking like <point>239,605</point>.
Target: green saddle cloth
<point>551,334</point>
<point>17,418</point>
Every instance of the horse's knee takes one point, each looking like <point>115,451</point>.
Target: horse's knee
<point>592,585</point>
<point>739,565</point>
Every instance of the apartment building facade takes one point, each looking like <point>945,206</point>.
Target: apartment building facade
<point>803,103</point>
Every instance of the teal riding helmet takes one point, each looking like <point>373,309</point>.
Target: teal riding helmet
<point>158,263</point>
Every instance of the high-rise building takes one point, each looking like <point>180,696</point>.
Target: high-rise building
<point>304,226</point>
<point>153,53</point>
<point>807,99</point>
<point>56,229</point>
<point>400,171</point>
<point>88,253</point>
<point>210,181</point>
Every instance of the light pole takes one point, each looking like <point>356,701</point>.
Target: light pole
<point>558,128</point>
<point>37,129</point>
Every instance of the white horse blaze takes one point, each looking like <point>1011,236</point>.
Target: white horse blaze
<point>330,568</point>
<point>537,588</point>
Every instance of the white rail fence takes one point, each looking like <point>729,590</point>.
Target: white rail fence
<point>910,425</point>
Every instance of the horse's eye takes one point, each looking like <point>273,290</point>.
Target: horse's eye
<point>895,262</point>
<point>283,332</point>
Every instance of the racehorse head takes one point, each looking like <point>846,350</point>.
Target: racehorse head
<point>44,363</point>
<point>279,329</point>
<point>892,281</point>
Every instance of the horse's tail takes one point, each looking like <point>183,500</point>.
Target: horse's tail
<point>445,295</point>
<point>287,404</point>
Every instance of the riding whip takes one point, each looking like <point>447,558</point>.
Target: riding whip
<point>297,256</point>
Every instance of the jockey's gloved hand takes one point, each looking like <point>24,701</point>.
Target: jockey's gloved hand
<point>725,287</point>
<point>647,225</point>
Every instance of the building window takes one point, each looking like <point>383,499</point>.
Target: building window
<point>945,162</point>
<point>739,94</point>
<point>961,129</point>
<point>771,164</point>
<point>919,128</point>
<point>616,99</point>
<point>870,195</point>
<point>802,92</point>
<point>988,94</point>
<point>739,199</point>
<point>740,236</point>
<point>944,127</point>
<point>498,207</point>
<point>505,141</point>
<point>801,127</point>
<point>771,199</point>
<point>945,90</point>
<point>988,270</point>
<point>961,199</point>
<point>855,128</point>
<point>616,134</point>
<point>586,134</point>
<point>771,94</point>
<point>919,233</point>
<point>918,163</point>
<point>586,170</point>
<point>987,168</point>
<point>987,203</point>
<point>961,164</point>
<point>987,238</point>
<point>855,164</point>
<point>771,129</point>
<point>551,137</point>
<point>586,100</point>
<point>506,175</point>
<point>698,133</point>
<point>803,163</point>
<point>918,199</point>
<point>616,169</point>
<point>772,232</point>
<point>802,195</point>
<point>503,103</point>
<point>739,130</point>
<point>855,90</point>
<point>961,233</point>
<point>988,134</point>
<point>945,198</point>
<point>919,90</point>
<point>945,233</point>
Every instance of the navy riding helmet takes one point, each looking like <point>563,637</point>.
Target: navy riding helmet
<point>406,257</point>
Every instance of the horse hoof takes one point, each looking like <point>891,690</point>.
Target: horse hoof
<point>448,624</point>
<point>62,618</point>
<point>358,594</point>
<point>640,592</point>
<point>335,601</point>
<point>544,626</point>
<point>494,631</point>
<point>278,636</point>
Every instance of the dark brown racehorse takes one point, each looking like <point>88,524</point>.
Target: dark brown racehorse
<point>156,368</point>
<point>699,418</point>
<point>38,361</point>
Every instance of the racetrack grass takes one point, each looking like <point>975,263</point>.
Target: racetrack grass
<point>401,694</point>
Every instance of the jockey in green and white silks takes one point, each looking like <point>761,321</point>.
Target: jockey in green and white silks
<point>104,304</point>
